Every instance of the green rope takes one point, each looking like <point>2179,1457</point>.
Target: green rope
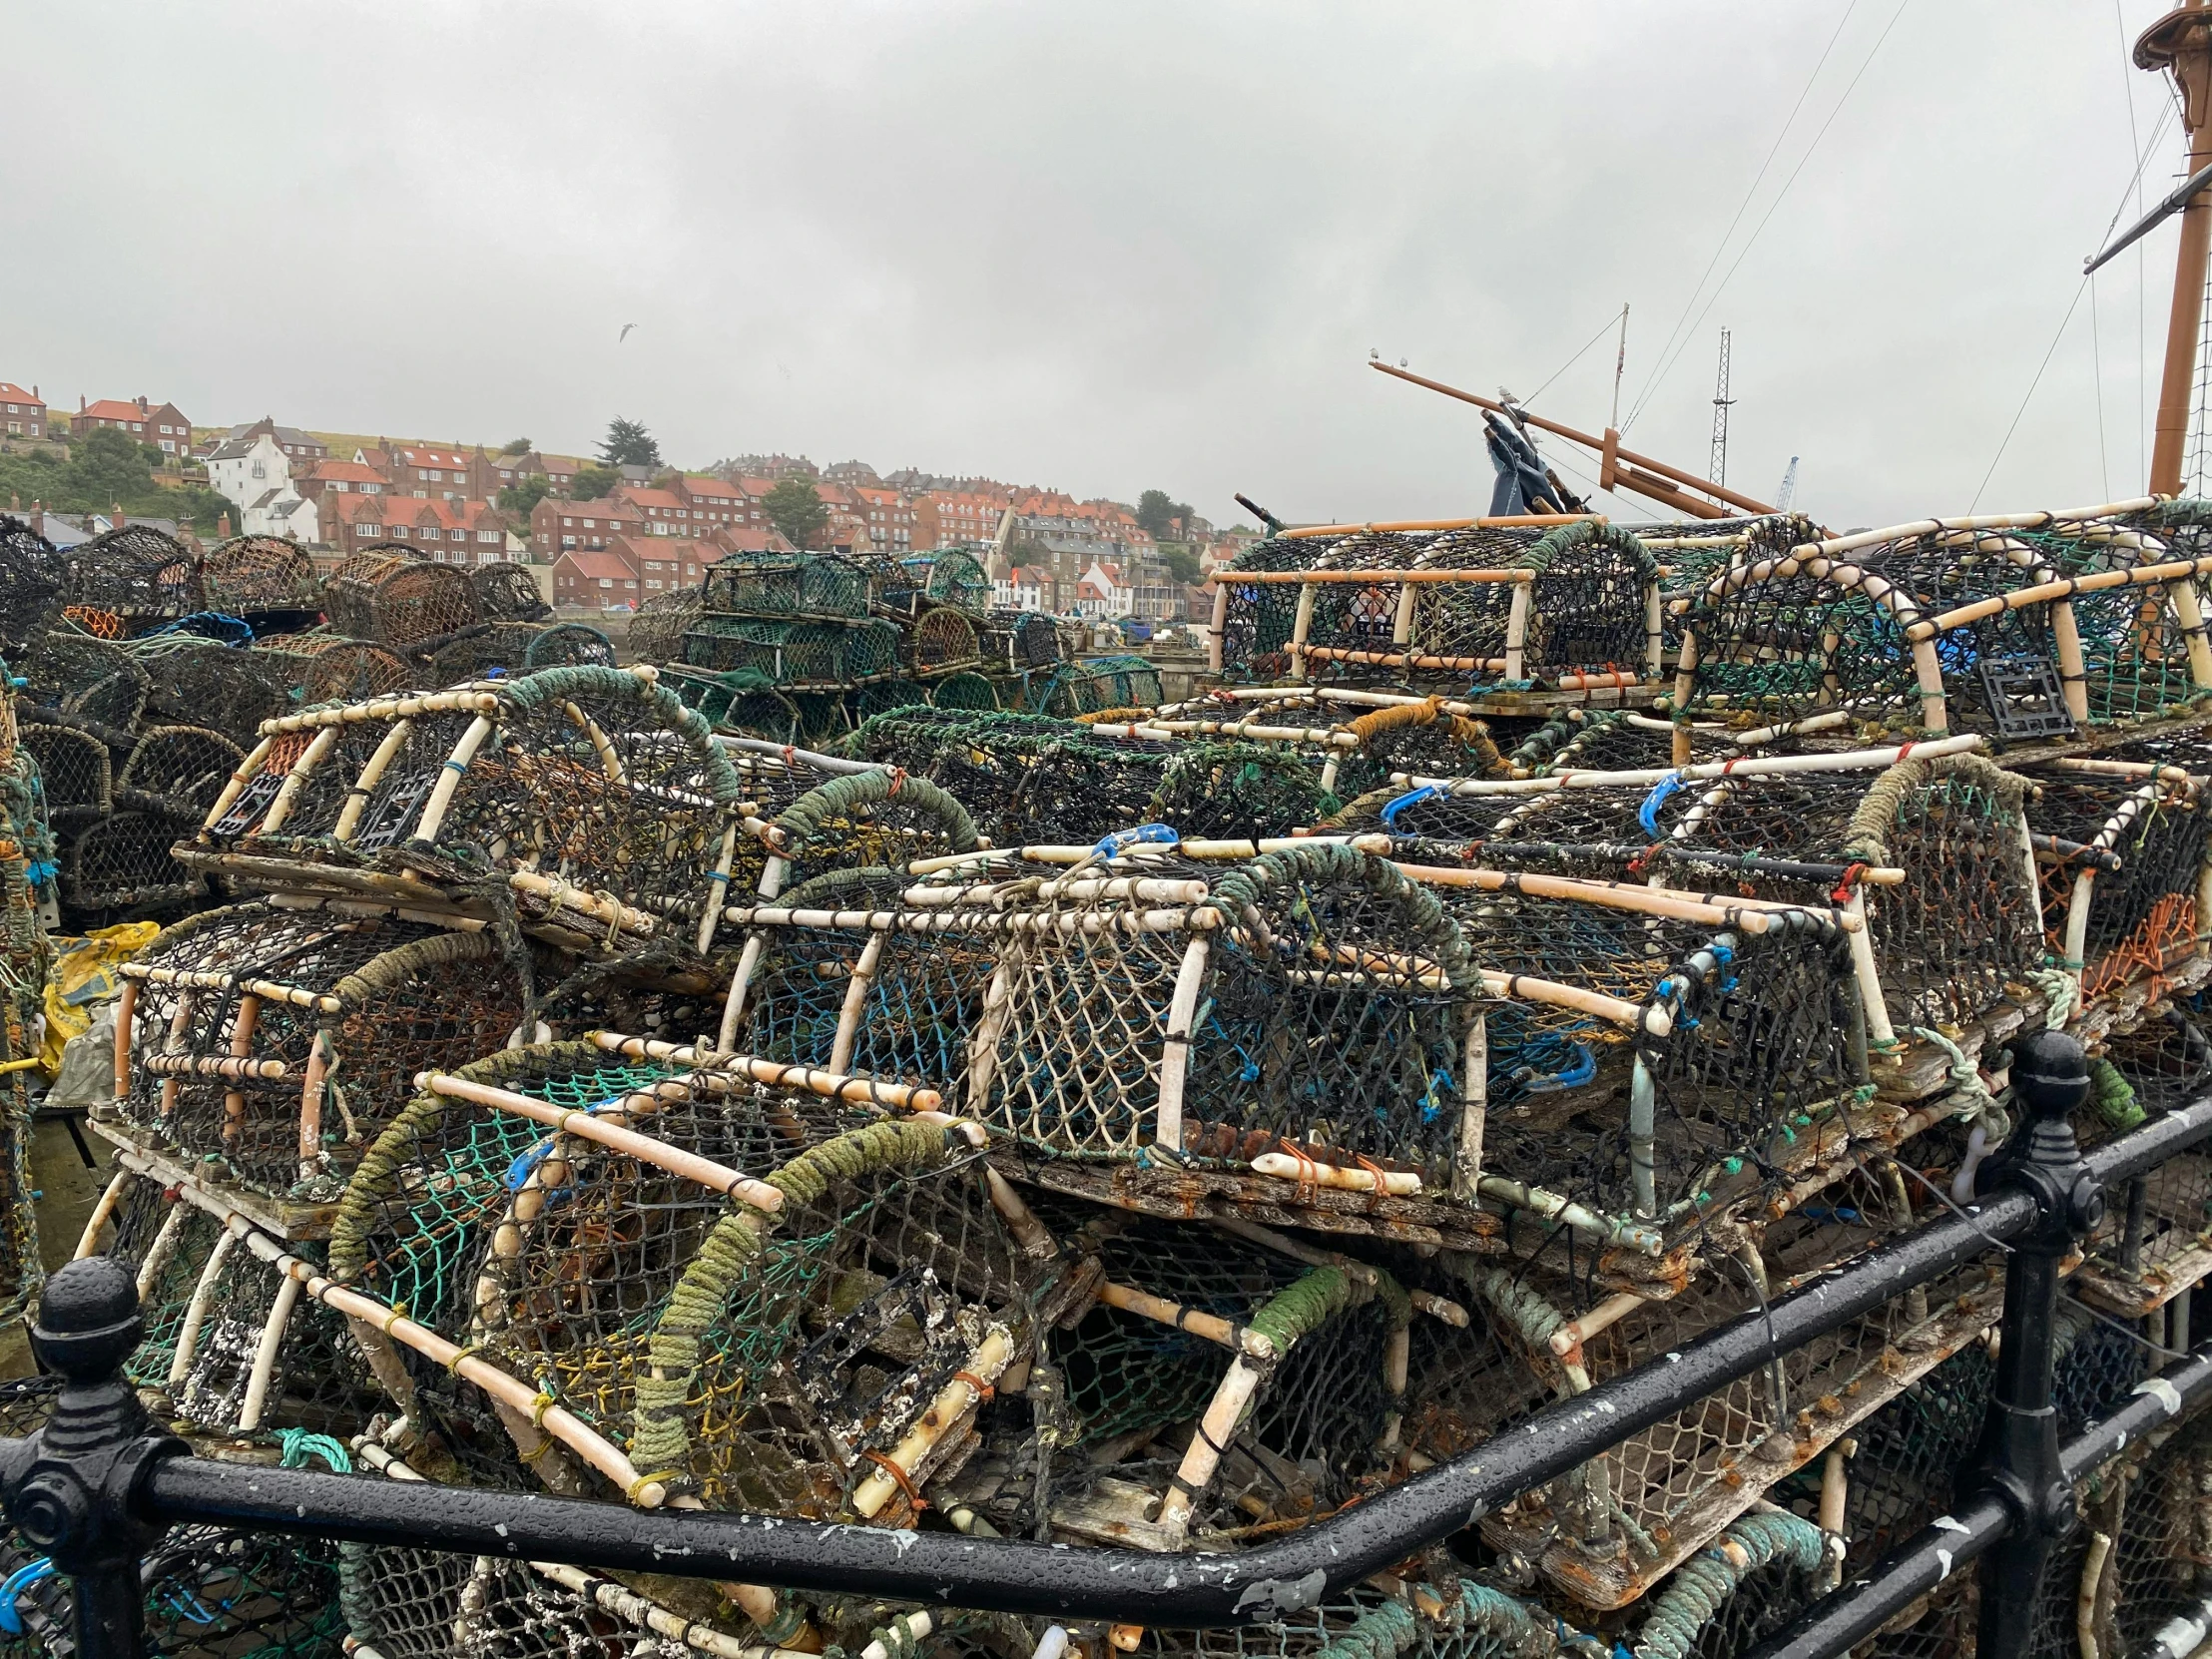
<point>2115,1100</point>
<point>1702,1585</point>
<point>841,798</point>
<point>1331,863</point>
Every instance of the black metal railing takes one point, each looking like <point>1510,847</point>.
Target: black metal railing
<point>97,1484</point>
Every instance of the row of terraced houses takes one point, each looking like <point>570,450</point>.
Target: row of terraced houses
<point>649,533</point>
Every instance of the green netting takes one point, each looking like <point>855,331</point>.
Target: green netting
<point>790,585</point>
<point>793,654</point>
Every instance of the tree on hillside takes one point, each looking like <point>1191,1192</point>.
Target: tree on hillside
<point>1182,563</point>
<point>515,446</point>
<point>628,443</point>
<point>522,495</point>
<point>592,482</point>
<point>109,466</point>
<point>796,509</point>
<point>1161,518</point>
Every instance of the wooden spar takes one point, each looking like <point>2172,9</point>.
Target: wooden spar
<point>1509,521</point>
<point>2179,42</point>
<point>1655,478</point>
<point>1370,578</point>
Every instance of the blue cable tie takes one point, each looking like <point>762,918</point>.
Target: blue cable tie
<point>1412,798</point>
<point>1648,814</point>
<point>1144,834</point>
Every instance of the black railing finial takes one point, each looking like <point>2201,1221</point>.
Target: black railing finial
<point>68,1487</point>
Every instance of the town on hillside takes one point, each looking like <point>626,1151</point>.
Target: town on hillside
<point>602,533</point>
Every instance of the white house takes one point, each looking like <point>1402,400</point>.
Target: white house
<point>1022,591</point>
<point>254,474</point>
<point>1103,593</point>
<point>283,511</point>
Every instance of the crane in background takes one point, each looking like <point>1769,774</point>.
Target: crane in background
<point>1718,470</point>
<point>1787,492</point>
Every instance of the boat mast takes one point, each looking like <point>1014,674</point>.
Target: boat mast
<point>2181,42</point>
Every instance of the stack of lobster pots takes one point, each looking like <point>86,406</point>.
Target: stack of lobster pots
<point>1164,1130</point>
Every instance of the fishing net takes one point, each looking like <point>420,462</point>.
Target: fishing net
<point>820,586</point>
<point>952,576</point>
<point>2160,1526</point>
<point>1423,738</point>
<point>137,573</point>
<point>32,571</point>
<point>2134,920</point>
<point>662,619</point>
<point>818,655</point>
<point>75,766</point>
<point>269,1043</point>
<point>250,576</point>
<point>882,696</point>
<point>507,592</point>
<point>396,600</point>
<point>585,793</point>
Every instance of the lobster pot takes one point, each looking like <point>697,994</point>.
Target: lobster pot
<point>136,573</point>
<point>969,692</point>
<point>1608,740</point>
<point>589,789</point>
<point>2123,877</point>
<point>867,1271</point>
<point>328,668</point>
<point>122,863</point>
<point>74,766</point>
<point>2157,1239</point>
<point>1287,1432</point>
<point>660,621</point>
<point>24,958</point>
<point>955,577</point>
<point>2162,1538</point>
<point>263,576</point>
<point>482,649</point>
<point>507,592</point>
<point>1236,790</point>
<point>1019,639</point>
<point>570,645</point>
<point>398,600</point>
<point>881,697</point>
<point>1253,620</point>
<point>732,702</point>
<point>211,685</point>
<point>80,674</point>
<point>227,1347</point>
<point>1097,683</point>
<point>944,639</point>
<point>821,655</point>
<point>271,1044</point>
<point>1605,1530</point>
<point>32,571</point>
<point>821,585</point>
<point>1726,1033</point>
<point>2035,627</point>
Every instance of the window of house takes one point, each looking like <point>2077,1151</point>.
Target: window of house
<point>260,469</point>
<point>399,530</point>
<point>606,581</point>
<point>367,529</point>
<point>490,536</point>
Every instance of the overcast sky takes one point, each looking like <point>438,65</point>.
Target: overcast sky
<point>1109,245</point>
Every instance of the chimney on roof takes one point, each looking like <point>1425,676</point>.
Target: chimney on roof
<point>80,402</point>
<point>34,394</point>
<point>142,403</point>
<point>115,514</point>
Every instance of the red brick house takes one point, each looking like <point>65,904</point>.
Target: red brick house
<point>22,413</point>
<point>344,477</point>
<point>449,532</point>
<point>558,526</point>
<point>596,578</point>
<point>717,502</point>
<point>161,426</point>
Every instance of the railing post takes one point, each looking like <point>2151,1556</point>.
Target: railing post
<point>68,1487</point>
<point>2017,1459</point>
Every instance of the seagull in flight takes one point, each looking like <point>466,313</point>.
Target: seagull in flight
<point>625,334</point>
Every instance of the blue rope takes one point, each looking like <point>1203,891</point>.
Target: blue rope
<point>1144,834</point>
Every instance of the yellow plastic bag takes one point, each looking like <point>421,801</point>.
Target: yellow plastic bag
<point>82,976</point>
